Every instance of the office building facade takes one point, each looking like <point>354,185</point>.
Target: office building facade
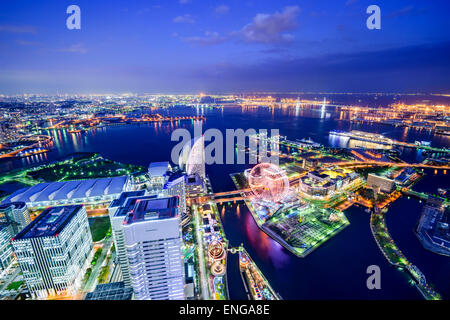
<point>16,214</point>
<point>117,211</point>
<point>153,241</point>
<point>54,251</point>
<point>6,252</point>
<point>380,183</point>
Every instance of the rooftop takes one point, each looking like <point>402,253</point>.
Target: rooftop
<point>158,169</point>
<point>124,196</point>
<point>49,223</point>
<point>13,205</point>
<point>110,291</point>
<point>174,179</point>
<point>63,190</point>
<point>149,209</point>
<point>128,203</point>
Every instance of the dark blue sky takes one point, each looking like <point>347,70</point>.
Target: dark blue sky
<point>189,46</point>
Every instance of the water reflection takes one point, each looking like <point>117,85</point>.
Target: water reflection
<point>267,249</point>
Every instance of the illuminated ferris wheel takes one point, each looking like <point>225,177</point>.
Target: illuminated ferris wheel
<point>268,182</point>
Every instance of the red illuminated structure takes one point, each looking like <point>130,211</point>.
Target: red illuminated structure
<point>268,182</point>
<point>216,250</point>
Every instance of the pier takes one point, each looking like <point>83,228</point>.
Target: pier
<point>396,257</point>
<point>255,283</point>
<point>378,139</point>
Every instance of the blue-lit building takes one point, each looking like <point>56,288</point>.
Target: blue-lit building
<point>6,252</point>
<point>110,291</point>
<point>176,186</point>
<point>54,251</point>
<point>153,242</point>
<point>71,192</point>
<point>158,174</point>
<point>16,214</point>
<point>117,211</point>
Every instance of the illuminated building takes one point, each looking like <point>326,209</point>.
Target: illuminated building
<point>158,174</point>
<point>16,214</point>
<point>153,240</point>
<point>189,279</point>
<point>216,251</point>
<point>117,211</point>
<point>6,252</point>
<point>218,269</point>
<point>380,183</point>
<point>110,291</point>
<point>433,229</point>
<point>54,251</point>
<point>176,186</point>
<point>325,183</point>
<point>71,192</point>
<point>164,182</point>
<point>192,158</point>
<point>195,186</point>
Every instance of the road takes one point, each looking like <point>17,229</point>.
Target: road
<point>92,281</point>
<point>201,257</point>
<point>9,278</point>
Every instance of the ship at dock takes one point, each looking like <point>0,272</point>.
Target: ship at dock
<point>256,285</point>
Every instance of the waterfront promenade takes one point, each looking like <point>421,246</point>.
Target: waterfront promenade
<point>396,257</point>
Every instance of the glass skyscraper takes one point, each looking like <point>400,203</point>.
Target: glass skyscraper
<point>54,251</point>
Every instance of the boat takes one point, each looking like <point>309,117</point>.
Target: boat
<point>422,143</point>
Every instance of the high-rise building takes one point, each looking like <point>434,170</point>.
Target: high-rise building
<point>158,175</point>
<point>6,253</point>
<point>192,157</point>
<point>54,251</point>
<point>176,186</point>
<point>153,241</point>
<point>16,214</point>
<point>195,185</point>
<point>110,291</point>
<point>117,211</point>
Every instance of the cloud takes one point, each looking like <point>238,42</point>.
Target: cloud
<point>74,48</point>
<point>264,28</point>
<point>407,69</point>
<point>17,29</point>
<point>222,9</point>
<point>210,38</point>
<point>270,28</point>
<point>187,18</point>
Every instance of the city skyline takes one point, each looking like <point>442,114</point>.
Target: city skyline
<point>232,151</point>
<point>363,188</point>
<point>223,47</point>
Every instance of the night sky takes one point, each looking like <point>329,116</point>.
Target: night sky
<point>192,46</point>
